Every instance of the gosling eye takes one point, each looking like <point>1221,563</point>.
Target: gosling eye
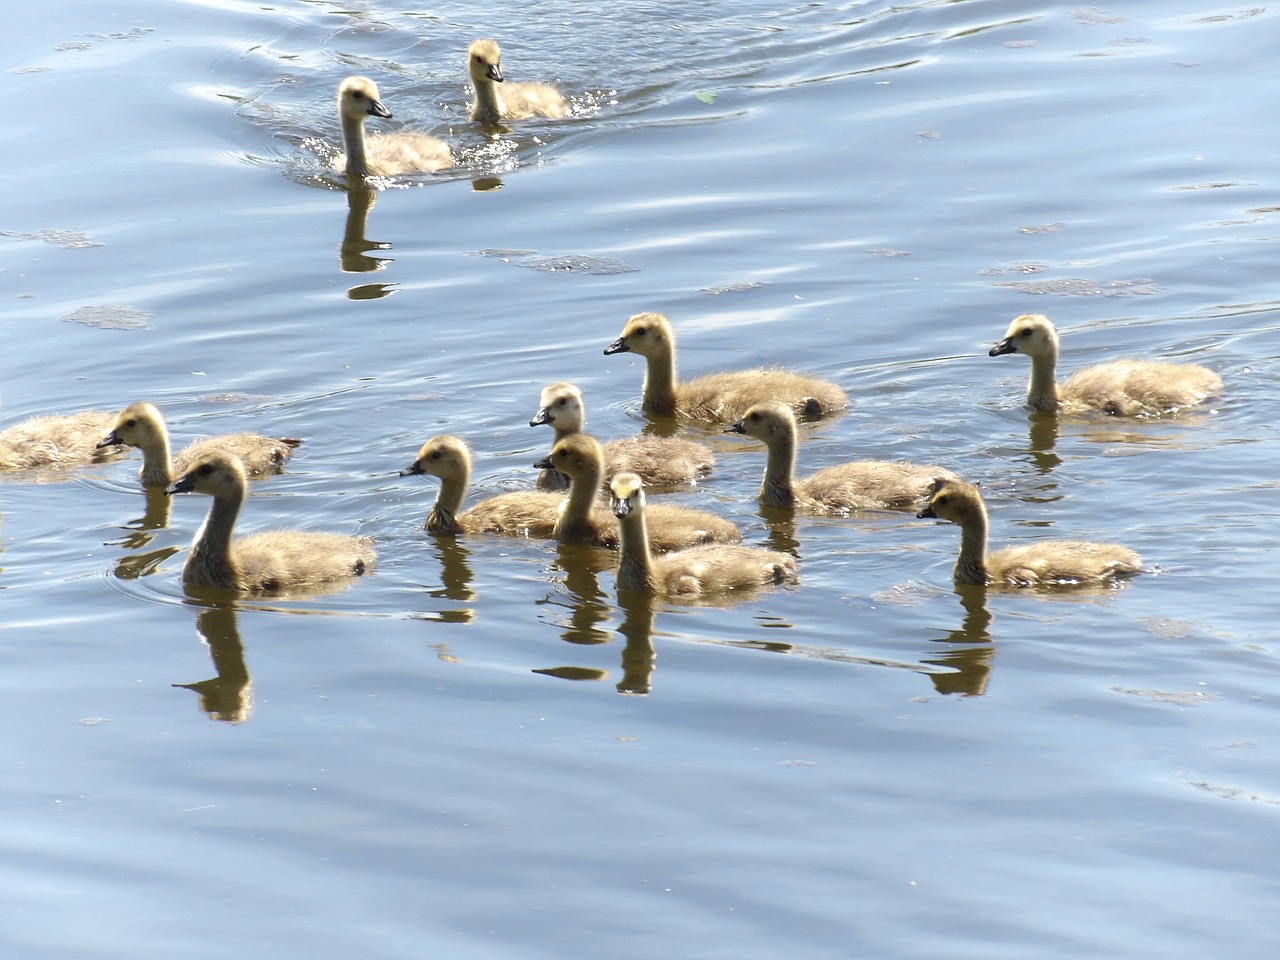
<point>435,455</point>
<point>755,418</point>
<point>639,331</point>
<point>205,470</point>
<point>358,94</point>
<point>131,423</point>
<point>942,501</point>
<point>1025,333</point>
<point>563,402</point>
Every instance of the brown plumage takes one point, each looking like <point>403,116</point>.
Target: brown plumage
<point>55,441</point>
<point>384,154</point>
<point>522,513</point>
<point>583,520</point>
<point>660,461</point>
<point>496,99</point>
<point>716,397</point>
<point>713,568</point>
<point>276,561</point>
<point>1123,388</point>
<point>141,425</point>
<point>839,489</point>
<point>1045,562</point>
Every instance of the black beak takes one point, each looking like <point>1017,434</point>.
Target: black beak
<point>927,514</point>
<point>110,440</point>
<point>541,417</point>
<point>183,484</point>
<point>376,109</point>
<point>738,426</point>
<point>621,508</point>
<point>494,73</point>
<point>618,346</point>
<point>1003,347</point>
<point>412,469</point>
<point>544,463</point>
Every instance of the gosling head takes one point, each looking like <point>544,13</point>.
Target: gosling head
<point>648,334</point>
<point>626,494</point>
<point>1032,334</point>
<point>561,407</point>
<point>577,455</point>
<point>484,62</point>
<point>767,421</point>
<point>358,98</point>
<point>444,457</point>
<point>215,474</point>
<point>952,500</point>
<point>138,425</point>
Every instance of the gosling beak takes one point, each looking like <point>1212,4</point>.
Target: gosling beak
<point>412,469</point>
<point>494,72</point>
<point>738,426</point>
<point>618,346</point>
<point>621,508</point>
<point>544,463</point>
<point>377,109</point>
<point>110,440</point>
<point>1003,347</point>
<point>927,514</point>
<point>184,484</point>
<point>541,417</point>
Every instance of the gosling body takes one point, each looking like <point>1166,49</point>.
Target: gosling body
<point>521,513</point>
<point>141,425</point>
<point>54,441</point>
<point>385,154</point>
<point>496,99</point>
<point>659,461</point>
<point>838,489</point>
<point>716,397</point>
<point>1043,563</point>
<point>1123,388</point>
<point>584,521</point>
<point>276,561</point>
<point>707,569</point>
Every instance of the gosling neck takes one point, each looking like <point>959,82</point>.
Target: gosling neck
<point>575,515</point>
<point>209,563</point>
<point>157,467</point>
<point>777,488</point>
<point>1042,394</point>
<point>444,512</point>
<point>488,106</point>
<point>635,563</point>
<point>660,382</point>
<point>353,143</point>
<point>971,566</point>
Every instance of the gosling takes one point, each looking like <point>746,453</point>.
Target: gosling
<point>522,513</point>
<point>141,425</point>
<point>660,461</point>
<point>713,568</point>
<point>276,561</point>
<point>515,101</point>
<point>54,441</point>
<point>1121,388</point>
<point>386,154</point>
<point>583,520</point>
<point>715,397</point>
<point>1044,563</point>
<point>835,490</point>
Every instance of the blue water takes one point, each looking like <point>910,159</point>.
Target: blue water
<point>475,752</point>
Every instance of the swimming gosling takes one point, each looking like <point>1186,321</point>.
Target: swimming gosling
<point>1122,388</point>
<point>274,561</point>
<point>838,489</point>
<point>583,520</point>
<point>385,154</point>
<point>660,461</point>
<point>141,425</point>
<point>54,440</point>
<point>1043,563</point>
<point>521,513</point>
<point>716,397</point>
<point>511,101</point>
<point>713,568</point>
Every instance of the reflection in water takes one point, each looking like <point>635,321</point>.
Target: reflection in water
<point>484,184</point>
<point>455,581</point>
<point>1042,438</point>
<point>781,524</point>
<point>141,533</point>
<point>589,606</point>
<point>228,696</point>
<point>353,256</point>
<point>968,667</point>
<point>638,656</point>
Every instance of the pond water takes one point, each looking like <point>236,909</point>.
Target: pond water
<point>475,751</point>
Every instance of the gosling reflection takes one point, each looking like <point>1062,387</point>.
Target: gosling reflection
<point>228,696</point>
<point>588,606</point>
<point>968,665</point>
<point>354,256</point>
<point>140,533</point>
<point>1041,440</point>
<point>638,656</point>
<point>781,524</point>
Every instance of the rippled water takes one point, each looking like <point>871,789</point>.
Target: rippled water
<point>451,758</point>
